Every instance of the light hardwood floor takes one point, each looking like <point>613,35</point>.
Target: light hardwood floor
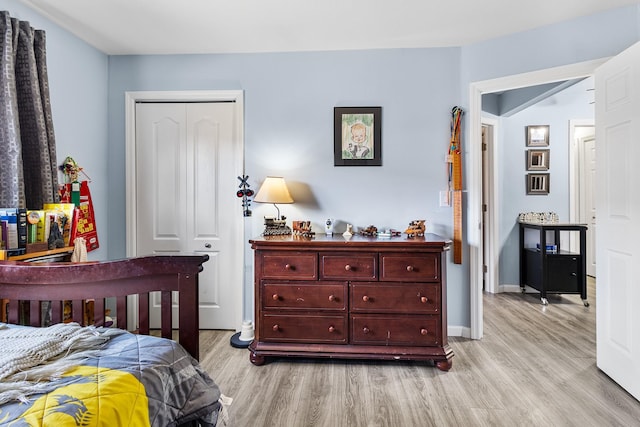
<point>535,366</point>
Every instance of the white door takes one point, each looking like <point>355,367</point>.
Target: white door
<point>587,149</point>
<point>186,181</point>
<point>618,207</point>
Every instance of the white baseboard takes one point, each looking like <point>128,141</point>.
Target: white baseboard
<point>510,288</point>
<point>459,331</point>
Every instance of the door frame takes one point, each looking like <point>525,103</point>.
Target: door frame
<point>491,191</point>
<point>131,98</point>
<point>474,168</point>
<point>574,174</point>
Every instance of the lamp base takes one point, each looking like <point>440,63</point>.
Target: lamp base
<point>236,342</point>
<point>276,227</point>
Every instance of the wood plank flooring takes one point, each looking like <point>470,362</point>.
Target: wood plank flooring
<point>535,366</point>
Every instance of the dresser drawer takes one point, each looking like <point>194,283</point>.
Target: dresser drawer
<point>395,330</point>
<point>306,328</point>
<point>379,297</point>
<point>349,266</point>
<point>304,295</point>
<point>409,267</point>
<point>289,265</point>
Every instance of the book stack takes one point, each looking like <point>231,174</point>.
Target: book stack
<point>21,228</point>
<point>13,230</point>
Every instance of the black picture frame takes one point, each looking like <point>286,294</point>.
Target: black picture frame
<point>357,139</point>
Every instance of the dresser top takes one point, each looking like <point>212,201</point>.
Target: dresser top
<point>338,242</point>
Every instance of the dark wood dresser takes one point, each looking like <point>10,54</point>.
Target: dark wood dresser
<point>359,298</point>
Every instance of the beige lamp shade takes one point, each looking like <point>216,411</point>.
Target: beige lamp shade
<point>273,190</point>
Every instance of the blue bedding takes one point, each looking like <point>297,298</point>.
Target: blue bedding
<point>134,380</point>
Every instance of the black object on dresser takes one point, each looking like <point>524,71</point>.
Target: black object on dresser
<point>547,267</point>
<point>357,298</point>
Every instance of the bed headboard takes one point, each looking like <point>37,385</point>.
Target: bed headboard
<point>25,286</point>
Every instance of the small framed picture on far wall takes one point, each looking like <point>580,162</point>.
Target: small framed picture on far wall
<point>537,183</point>
<point>537,136</point>
<point>538,160</point>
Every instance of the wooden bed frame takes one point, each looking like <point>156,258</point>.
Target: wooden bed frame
<point>24,286</point>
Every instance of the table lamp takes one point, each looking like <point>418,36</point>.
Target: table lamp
<point>274,190</point>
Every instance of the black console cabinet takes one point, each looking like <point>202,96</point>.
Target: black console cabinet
<point>546,267</point>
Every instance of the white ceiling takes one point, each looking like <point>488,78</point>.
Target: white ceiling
<point>225,26</point>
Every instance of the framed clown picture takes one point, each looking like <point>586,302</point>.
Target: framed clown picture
<point>357,136</point>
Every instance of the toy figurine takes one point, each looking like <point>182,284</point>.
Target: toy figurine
<point>302,229</point>
<point>370,231</point>
<point>328,226</point>
<point>55,236</point>
<point>245,192</point>
<point>416,228</point>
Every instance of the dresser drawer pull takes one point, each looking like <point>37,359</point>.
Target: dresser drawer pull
<point>332,298</point>
<point>348,267</point>
<point>365,330</point>
<point>332,329</point>
<point>289,267</point>
<point>276,328</point>
<point>409,268</point>
<point>423,331</point>
<point>365,298</point>
<point>574,274</point>
<point>275,297</point>
<point>424,300</point>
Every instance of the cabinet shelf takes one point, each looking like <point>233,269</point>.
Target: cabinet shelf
<point>51,255</point>
<point>553,272</point>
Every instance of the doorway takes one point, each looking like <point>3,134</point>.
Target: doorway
<point>184,152</point>
<point>474,208</point>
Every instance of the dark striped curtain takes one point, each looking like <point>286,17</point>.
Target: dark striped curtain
<point>28,171</point>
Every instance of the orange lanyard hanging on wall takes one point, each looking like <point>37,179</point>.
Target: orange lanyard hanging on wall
<point>455,180</point>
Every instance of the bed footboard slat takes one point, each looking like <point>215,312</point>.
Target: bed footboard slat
<point>77,311</point>
<point>121,309</point>
<point>57,310</point>
<point>143,313</point>
<point>98,312</point>
<point>166,309</point>
<point>13,311</point>
<point>35,313</point>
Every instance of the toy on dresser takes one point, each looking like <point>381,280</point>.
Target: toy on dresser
<point>416,228</point>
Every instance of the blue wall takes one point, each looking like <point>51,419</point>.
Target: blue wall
<point>289,100</point>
